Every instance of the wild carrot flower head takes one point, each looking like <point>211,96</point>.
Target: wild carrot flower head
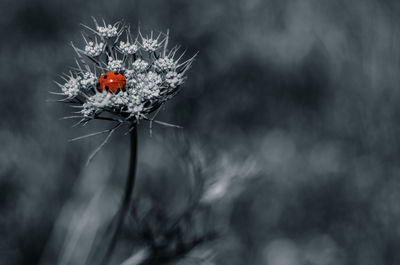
<point>122,76</point>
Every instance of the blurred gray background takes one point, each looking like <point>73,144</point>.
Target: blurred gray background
<point>303,92</point>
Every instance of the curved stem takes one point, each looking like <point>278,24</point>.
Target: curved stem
<point>127,197</point>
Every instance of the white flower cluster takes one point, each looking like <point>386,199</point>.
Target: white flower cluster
<point>107,32</point>
<point>115,65</point>
<point>87,80</point>
<point>147,72</point>
<point>129,74</point>
<point>164,63</point>
<point>128,100</point>
<point>74,84</point>
<point>150,44</point>
<point>120,99</point>
<point>128,48</point>
<point>94,49</point>
<point>98,100</point>
<point>173,79</point>
<point>147,85</point>
<point>71,87</point>
<point>124,100</point>
<point>140,65</point>
<point>142,86</point>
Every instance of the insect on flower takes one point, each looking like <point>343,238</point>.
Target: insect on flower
<point>111,82</point>
<point>122,77</point>
<point>140,65</point>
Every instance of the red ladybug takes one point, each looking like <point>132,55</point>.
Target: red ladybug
<point>111,82</point>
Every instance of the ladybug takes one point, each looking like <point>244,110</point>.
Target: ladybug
<point>112,82</point>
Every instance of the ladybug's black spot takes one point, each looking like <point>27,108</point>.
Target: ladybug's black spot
<point>107,88</point>
<point>105,77</point>
<point>116,73</point>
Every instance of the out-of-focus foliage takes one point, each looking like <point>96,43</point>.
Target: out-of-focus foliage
<point>293,103</point>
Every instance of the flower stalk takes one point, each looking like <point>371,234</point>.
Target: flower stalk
<point>127,196</point>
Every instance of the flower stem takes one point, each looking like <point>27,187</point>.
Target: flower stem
<point>127,197</point>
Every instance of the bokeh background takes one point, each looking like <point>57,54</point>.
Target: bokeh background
<point>297,101</point>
